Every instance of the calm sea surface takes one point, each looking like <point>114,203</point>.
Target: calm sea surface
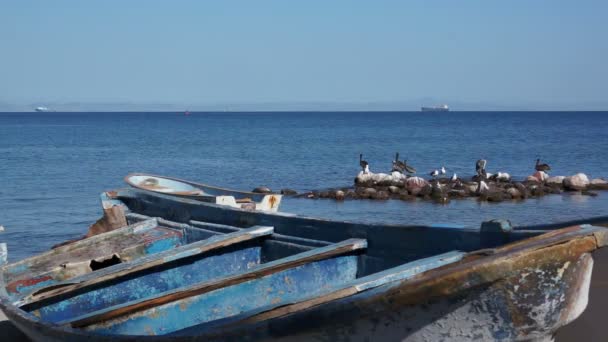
<point>54,165</point>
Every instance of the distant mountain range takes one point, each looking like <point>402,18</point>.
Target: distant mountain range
<point>413,105</point>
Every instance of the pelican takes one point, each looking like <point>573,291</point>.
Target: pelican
<point>434,173</point>
<point>364,164</point>
<point>542,167</point>
<point>398,165</point>
<point>443,170</point>
<point>408,168</point>
<point>480,167</point>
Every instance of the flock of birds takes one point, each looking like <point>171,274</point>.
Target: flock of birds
<point>480,169</point>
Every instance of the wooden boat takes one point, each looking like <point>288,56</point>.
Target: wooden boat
<point>227,277</point>
<point>204,193</point>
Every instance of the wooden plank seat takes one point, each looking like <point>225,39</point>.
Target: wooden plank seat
<point>167,258</point>
<point>85,256</point>
<point>278,281</point>
<point>390,277</point>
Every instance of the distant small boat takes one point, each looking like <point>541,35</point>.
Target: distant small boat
<point>42,109</point>
<point>204,193</point>
<point>440,108</point>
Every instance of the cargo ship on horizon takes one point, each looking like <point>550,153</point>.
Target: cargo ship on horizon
<point>440,108</point>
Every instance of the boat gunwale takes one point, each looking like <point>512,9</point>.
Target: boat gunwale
<point>212,244</point>
<point>595,236</point>
<point>192,183</point>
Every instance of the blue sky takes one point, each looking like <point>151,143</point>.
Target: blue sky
<point>184,52</point>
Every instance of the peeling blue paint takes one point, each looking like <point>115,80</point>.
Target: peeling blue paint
<point>312,278</point>
<point>150,283</point>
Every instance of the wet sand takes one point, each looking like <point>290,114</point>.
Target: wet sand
<point>9,332</point>
<point>588,327</point>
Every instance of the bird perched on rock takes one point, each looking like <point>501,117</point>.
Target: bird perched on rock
<point>541,167</point>
<point>434,173</point>
<point>442,170</point>
<point>364,164</point>
<point>480,167</point>
<point>454,177</point>
<point>398,165</point>
<point>408,168</point>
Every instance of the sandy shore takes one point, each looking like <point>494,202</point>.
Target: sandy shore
<point>588,327</point>
<point>9,332</point>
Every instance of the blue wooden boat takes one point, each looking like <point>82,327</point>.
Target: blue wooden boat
<point>228,274</point>
<point>205,193</point>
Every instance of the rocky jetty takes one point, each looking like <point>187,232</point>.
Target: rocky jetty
<point>381,186</point>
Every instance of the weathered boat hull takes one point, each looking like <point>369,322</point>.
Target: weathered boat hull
<point>203,192</point>
<point>522,292</point>
<point>413,283</point>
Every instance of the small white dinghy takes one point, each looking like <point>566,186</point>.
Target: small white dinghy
<point>203,192</point>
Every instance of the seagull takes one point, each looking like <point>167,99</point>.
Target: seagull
<point>542,167</point>
<point>435,173</point>
<point>364,164</point>
<point>480,167</point>
<point>454,177</point>
<point>443,170</point>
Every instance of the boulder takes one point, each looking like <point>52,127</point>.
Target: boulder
<point>381,195</point>
<point>369,192</point>
<point>262,190</point>
<point>458,193</point>
<point>532,179</point>
<point>494,196</point>
<point>339,195</point>
<point>288,192</point>
<point>415,184</point>
<point>426,190</point>
<point>522,189</point>
<point>514,193</point>
<point>555,180</point>
<point>364,178</point>
<point>540,176</point>
<point>578,182</point>
<point>393,189</point>
<point>598,184</point>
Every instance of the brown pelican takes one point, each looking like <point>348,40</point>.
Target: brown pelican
<point>542,167</point>
<point>398,165</point>
<point>480,167</point>
<point>408,168</point>
<point>364,164</point>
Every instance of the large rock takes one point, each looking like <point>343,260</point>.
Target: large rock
<point>555,180</point>
<point>598,184</point>
<point>415,184</point>
<point>540,176</point>
<point>514,193</point>
<point>393,189</point>
<point>288,192</point>
<point>262,190</point>
<point>578,182</point>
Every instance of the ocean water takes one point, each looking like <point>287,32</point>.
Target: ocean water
<point>54,165</point>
